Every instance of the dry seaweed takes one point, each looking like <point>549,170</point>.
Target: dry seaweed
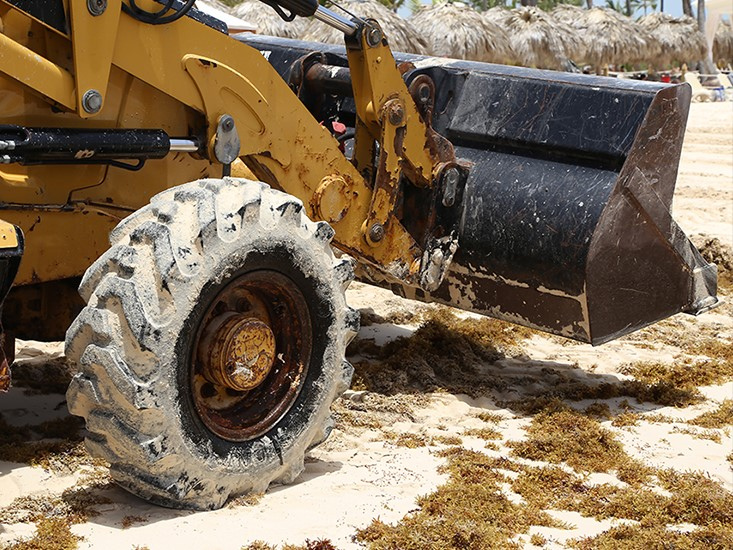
<point>320,544</point>
<point>43,377</point>
<point>537,539</point>
<point>51,534</point>
<point>696,498</point>
<point>570,437</point>
<point>719,253</point>
<point>445,353</point>
<point>688,373</point>
<point>598,410</point>
<point>373,410</point>
<point>60,450</point>
<point>486,433</point>
<point>129,521</point>
<point>469,511</point>
<point>722,416</point>
<point>408,440</point>
<point>75,505</point>
<point>447,439</point>
<point>249,499</point>
<point>711,435</point>
<point>491,417</point>
<point>634,537</point>
<point>626,419</point>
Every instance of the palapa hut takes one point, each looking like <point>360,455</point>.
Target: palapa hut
<point>538,39</point>
<point>267,21</point>
<point>679,37</point>
<point>723,44</point>
<point>453,29</point>
<point>608,37</point>
<point>400,34</point>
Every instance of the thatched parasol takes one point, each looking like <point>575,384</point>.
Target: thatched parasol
<point>608,37</point>
<point>723,44</point>
<point>538,40</point>
<point>268,21</point>
<point>453,29</point>
<point>679,37</point>
<point>400,35</point>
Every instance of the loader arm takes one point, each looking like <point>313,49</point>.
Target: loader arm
<point>251,113</point>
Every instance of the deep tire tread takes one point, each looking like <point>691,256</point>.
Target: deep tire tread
<point>134,290</point>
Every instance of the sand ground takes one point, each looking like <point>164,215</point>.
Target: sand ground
<point>359,475</point>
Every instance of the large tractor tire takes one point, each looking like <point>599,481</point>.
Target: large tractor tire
<point>212,344</point>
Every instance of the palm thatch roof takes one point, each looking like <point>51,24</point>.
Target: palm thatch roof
<point>608,37</point>
<point>268,21</point>
<point>453,29</point>
<point>679,37</point>
<point>400,34</point>
<point>723,44</point>
<point>538,39</point>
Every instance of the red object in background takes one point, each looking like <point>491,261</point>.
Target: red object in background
<point>666,78</point>
<point>339,129</point>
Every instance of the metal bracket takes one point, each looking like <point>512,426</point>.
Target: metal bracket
<point>94,27</point>
<point>227,144</point>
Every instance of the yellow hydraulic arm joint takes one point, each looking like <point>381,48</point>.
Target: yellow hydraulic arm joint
<point>387,114</point>
<point>251,113</point>
<point>94,27</point>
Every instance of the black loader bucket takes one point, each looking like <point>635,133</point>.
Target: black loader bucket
<point>566,217</point>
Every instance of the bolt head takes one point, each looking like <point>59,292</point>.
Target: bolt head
<point>91,101</point>
<point>96,7</point>
<point>451,176</point>
<point>376,232</point>
<point>396,114</point>
<point>227,123</point>
<point>374,36</point>
<point>449,180</point>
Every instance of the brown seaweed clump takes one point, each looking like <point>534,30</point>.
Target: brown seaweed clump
<point>446,353</point>
<point>716,252</point>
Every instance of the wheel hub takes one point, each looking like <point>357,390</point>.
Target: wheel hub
<point>250,354</point>
<point>238,352</point>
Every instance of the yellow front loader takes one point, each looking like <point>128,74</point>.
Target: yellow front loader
<point>210,336</point>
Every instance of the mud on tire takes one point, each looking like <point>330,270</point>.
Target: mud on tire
<point>147,298</point>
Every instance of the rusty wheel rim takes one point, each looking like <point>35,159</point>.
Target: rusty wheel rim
<point>250,355</point>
